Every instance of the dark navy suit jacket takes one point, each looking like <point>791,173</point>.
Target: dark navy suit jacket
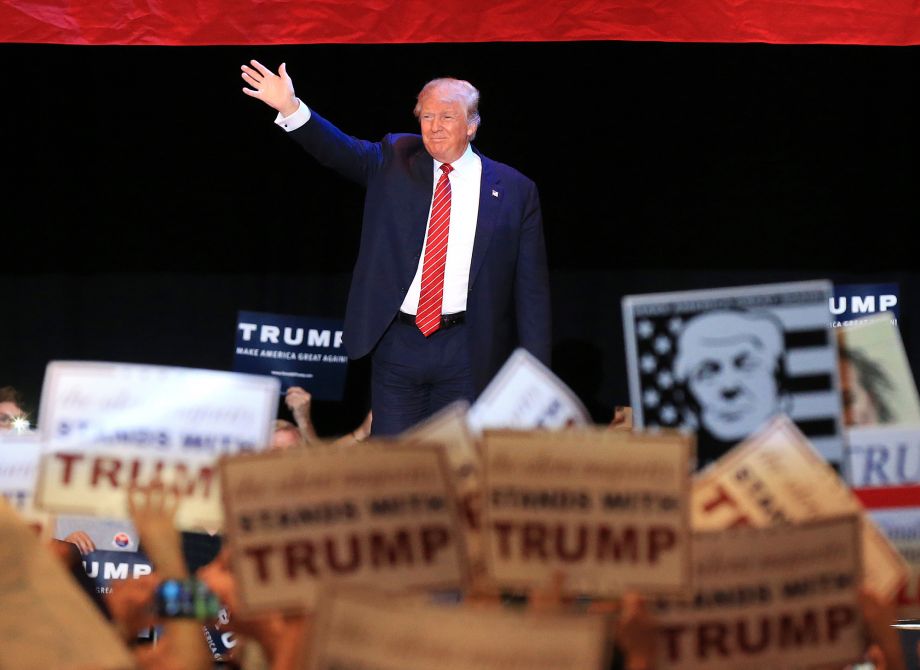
<point>508,302</point>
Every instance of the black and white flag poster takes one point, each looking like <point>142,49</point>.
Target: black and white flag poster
<point>722,362</point>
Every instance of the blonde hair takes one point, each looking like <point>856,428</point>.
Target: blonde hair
<point>458,90</point>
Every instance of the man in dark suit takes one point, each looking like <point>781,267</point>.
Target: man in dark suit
<point>451,273</point>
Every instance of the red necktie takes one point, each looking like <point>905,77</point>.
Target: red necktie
<point>428,317</point>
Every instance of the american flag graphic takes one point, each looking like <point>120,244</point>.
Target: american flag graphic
<point>653,325</point>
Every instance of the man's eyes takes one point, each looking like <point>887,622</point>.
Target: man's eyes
<point>707,369</point>
<point>747,362</point>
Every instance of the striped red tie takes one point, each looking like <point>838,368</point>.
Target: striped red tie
<point>428,317</point>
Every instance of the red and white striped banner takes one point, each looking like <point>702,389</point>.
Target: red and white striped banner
<point>206,22</point>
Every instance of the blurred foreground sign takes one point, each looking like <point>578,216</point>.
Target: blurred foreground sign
<point>378,513</point>
<point>46,621</point>
<point>610,509</point>
<point>781,597</point>
<point>108,426</point>
<point>776,477</point>
<point>20,456</point>
<point>368,631</point>
<point>526,394</point>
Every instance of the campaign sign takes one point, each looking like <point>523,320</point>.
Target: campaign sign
<point>883,456</point>
<point>611,510</point>
<point>883,466</point>
<point>526,394</point>
<point>110,426</point>
<point>448,430</point>
<point>358,630</point>
<point>875,376</point>
<point>902,526</point>
<point>20,456</point>
<point>114,544</point>
<point>375,513</point>
<point>105,566</point>
<point>851,303</point>
<point>46,621</point>
<point>781,597</point>
<point>722,362</point>
<point>777,478</point>
<point>303,351</point>
<point>219,638</point>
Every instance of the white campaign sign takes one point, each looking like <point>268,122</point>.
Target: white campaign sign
<point>109,426</point>
<point>20,456</point>
<point>526,394</point>
<point>884,463</point>
<point>883,456</point>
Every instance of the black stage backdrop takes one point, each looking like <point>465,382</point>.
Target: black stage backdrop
<point>146,199</point>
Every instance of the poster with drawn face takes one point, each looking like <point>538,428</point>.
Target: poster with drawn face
<point>722,362</point>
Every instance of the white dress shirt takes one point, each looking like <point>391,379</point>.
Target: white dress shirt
<point>464,211</point>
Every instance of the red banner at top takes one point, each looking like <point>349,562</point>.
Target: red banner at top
<point>204,22</point>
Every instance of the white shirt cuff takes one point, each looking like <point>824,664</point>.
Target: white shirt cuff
<point>296,119</point>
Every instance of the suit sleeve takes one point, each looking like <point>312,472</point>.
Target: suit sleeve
<point>354,159</point>
<point>531,283</point>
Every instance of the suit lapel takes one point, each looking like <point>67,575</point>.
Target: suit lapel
<point>419,202</point>
<point>490,200</point>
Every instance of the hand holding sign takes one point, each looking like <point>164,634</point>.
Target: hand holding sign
<point>82,541</point>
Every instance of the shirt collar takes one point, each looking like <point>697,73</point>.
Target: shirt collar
<point>468,157</point>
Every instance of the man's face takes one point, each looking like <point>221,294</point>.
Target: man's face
<point>734,383</point>
<point>445,131</point>
<point>8,412</point>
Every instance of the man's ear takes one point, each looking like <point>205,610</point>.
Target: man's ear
<point>471,130</point>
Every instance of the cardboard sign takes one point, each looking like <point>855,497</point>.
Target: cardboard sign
<point>776,477</point>
<point>896,510</point>
<point>608,508</point>
<point>853,303</point>
<point>526,394</point>
<point>367,631</point>
<point>109,426</point>
<point>883,466</point>
<point>301,351</point>
<point>20,456</point>
<point>782,597</point>
<point>721,363</point>
<point>448,429</point>
<point>876,379</point>
<point>377,513</point>
<point>45,620</point>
